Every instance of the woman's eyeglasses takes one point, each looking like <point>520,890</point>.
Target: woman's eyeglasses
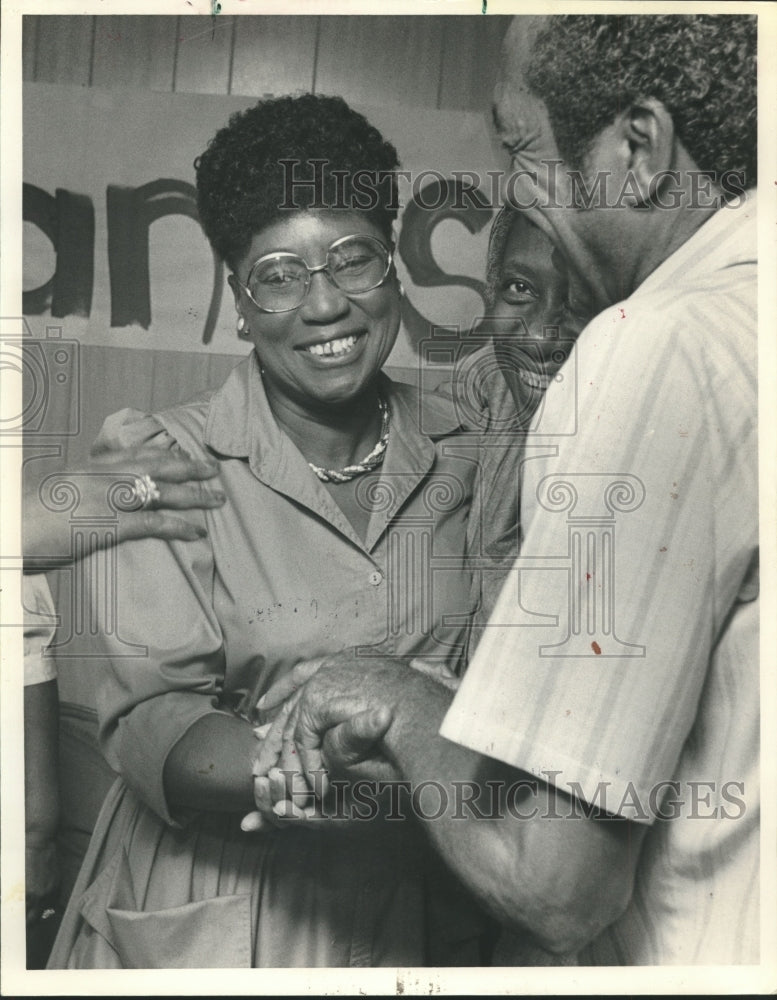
<point>279,282</point>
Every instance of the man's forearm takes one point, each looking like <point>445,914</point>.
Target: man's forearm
<point>532,868</point>
<point>484,854</point>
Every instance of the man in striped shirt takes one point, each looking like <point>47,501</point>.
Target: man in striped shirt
<point>612,706</point>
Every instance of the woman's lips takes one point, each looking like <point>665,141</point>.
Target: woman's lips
<point>333,348</point>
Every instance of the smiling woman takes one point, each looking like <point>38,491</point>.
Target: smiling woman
<point>337,481</point>
<point>323,336</point>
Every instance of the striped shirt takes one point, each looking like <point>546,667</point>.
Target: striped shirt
<point>622,654</point>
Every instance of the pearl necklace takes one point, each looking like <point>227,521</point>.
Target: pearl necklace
<point>372,461</point>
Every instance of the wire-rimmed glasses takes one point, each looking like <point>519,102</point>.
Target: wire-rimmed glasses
<point>278,282</point>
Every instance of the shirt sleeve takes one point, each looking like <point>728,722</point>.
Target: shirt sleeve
<point>474,388</point>
<point>488,415</point>
<point>40,621</point>
<point>163,642</point>
<point>591,668</point>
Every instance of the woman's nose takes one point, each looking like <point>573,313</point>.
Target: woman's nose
<point>324,299</point>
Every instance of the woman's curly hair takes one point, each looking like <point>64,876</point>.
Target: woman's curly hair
<point>702,68</point>
<point>242,185</point>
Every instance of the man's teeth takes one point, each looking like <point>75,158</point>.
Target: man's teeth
<point>332,348</point>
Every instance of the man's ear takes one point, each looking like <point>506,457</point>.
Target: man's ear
<point>648,138</point>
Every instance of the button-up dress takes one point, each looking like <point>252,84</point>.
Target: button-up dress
<point>195,627</point>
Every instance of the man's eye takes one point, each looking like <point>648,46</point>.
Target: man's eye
<point>518,292</point>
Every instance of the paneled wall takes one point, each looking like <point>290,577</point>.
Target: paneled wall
<point>433,62</point>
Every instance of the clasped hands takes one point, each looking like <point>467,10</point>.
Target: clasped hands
<point>327,716</point>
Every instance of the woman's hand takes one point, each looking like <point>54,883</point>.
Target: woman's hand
<point>281,791</point>
<point>279,785</point>
<point>283,796</point>
<point>182,484</point>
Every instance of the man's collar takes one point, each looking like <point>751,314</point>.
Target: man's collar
<point>728,238</point>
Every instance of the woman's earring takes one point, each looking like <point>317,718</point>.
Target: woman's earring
<point>401,288</point>
<point>242,329</point>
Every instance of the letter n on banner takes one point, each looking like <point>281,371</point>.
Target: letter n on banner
<point>130,214</point>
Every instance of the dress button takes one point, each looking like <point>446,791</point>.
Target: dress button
<point>376,577</point>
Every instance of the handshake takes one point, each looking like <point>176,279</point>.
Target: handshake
<point>325,717</point>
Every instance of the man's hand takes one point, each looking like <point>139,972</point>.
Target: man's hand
<point>331,716</point>
<point>289,685</point>
<point>354,743</point>
<point>352,748</point>
<point>345,711</point>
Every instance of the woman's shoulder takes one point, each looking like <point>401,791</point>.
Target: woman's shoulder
<point>181,426</point>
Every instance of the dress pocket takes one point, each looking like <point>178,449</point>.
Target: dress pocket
<point>204,934</point>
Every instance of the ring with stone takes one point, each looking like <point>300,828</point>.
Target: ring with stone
<point>146,491</point>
